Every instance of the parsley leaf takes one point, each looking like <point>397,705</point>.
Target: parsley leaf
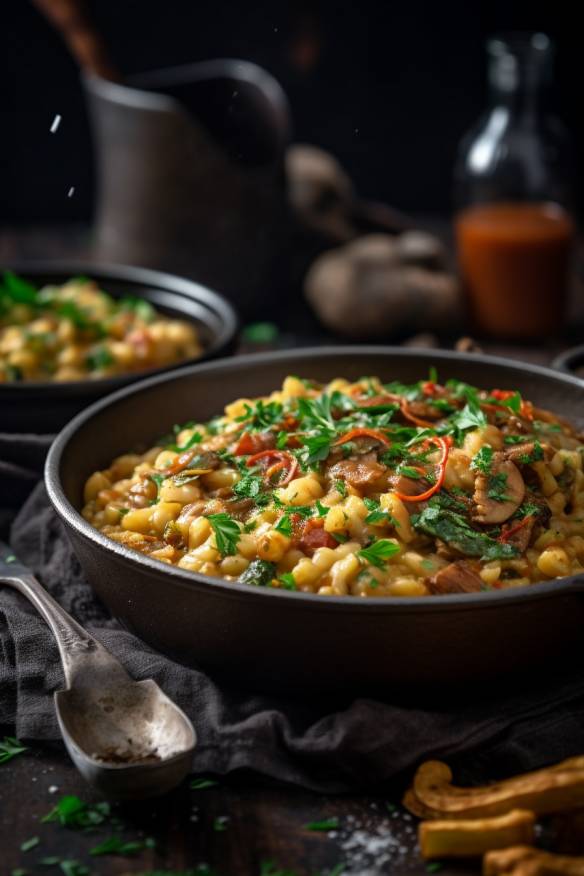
<point>341,487</point>
<point>324,824</point>
<point>378,553</point>
<point>259,573</point>
<point>99,359</point>
<point>287,579</point>
<point>536,455</point>
<point>496,485</point>
<point>483,460</point>
<point>18,290</point>
<point>9,746</point>
<point>376,515</point>
<point>115,845</point>
<point>470,417</point>
<point>262,415</point>
<point>71,811</point>
<point>251,487</point>
<point>227,533</point>
<point>202,784</point>
<point>284,525</point>
<point>315,449</point>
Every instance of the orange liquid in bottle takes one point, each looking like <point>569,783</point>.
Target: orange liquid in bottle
<point>514,261</point>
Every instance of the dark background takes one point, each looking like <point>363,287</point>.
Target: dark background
<point>388,87</point>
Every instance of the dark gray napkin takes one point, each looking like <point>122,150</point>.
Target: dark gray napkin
<point>325,745</point>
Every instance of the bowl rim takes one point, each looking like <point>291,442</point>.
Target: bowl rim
<point>213,301</point>
<point>221,588</point>
<point>569,359</point>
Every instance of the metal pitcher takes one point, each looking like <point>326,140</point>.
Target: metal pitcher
<point>190,173</point>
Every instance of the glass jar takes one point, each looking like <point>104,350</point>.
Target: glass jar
<point>513,195</point>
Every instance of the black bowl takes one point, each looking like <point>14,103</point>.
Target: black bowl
<point>294,640</point>
<point>46,407</point>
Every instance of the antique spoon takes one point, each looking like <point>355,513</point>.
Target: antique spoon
<point>125,737</point>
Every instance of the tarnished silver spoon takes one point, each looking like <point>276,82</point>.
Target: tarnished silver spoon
<point>125,737</point>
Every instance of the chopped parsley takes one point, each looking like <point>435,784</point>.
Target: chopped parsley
<point>9,746</point>
<point>376,516</point>
<point>378,553</point>
<point>259,573</point>
<point>251,487</point>
<point>284,525</point>
<point>115,845</point>
<point>99,359</point>
<point>227,533</point>
<point>315,449</point>
<point>535,455</point>
<point>288,582</point>
<point>483,460</point>
<point>324,824</point>
<point>496,486</point>
<point>261,416</point>
<point>470,417</point>
<point>71,811</point>
<point>202,784</point>
<point>341,487</point>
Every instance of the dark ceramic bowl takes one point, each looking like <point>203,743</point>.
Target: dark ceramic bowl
<point>571,361</point>
<point>294,640</point>
<point>46,407</point>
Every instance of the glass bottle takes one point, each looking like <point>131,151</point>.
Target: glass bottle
<point>512,187</point>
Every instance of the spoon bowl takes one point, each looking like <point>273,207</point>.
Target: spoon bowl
<point>126,738</point>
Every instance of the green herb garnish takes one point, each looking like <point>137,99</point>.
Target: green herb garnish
<point>378,553</point>
<point>259,573</point>
<point>227,533</point>
<point>202,784</point>
<point>483,460</point>
<point>71,811</point>
<point>454,530</point>
<point>324,824</point>
<point>115,845</point>
<point>9,746</point>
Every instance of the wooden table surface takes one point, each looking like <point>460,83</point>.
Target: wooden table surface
<point>263,823</point>
<point>234,828</point>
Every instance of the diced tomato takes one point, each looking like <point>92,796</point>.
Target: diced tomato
<point>254,442</point>
<point>314,537</point>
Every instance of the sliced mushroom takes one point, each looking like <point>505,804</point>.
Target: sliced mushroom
<point>359,472</point>
<point>449,838</point>
<point>520,453</point>
<point>528,861</point>
<point>498,494</point>
<point>459,577</point>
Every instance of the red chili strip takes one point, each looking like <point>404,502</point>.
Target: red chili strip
<point>362,433</point>
<point>444,444</point>
<point>281,460</point>
<point>505,536</point>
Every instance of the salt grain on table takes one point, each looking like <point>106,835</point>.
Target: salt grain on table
<point>370,847</point>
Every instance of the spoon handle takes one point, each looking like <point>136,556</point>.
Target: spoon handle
<point>82,656</point>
